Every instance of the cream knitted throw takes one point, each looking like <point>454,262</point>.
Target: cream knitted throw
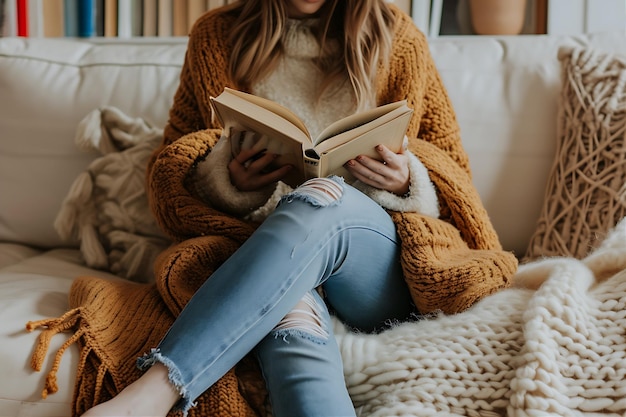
<point>553,345</point>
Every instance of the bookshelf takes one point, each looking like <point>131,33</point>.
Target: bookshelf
<point>165,18</point>
<point>102,18</point>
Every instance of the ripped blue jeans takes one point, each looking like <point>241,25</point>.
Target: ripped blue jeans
<point>264,299</point>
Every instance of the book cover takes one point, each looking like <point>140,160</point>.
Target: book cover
<point>280,131</point>
<point>86,18</point>
<point>164,18</point>
<point>53,20</point>
<point>22,18</point>
<point>179,18</point>
<point>149,17</point>
<point>70,17</point>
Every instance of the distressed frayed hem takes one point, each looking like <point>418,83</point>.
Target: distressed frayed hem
<point>173,375</point>
<point>319,192</point>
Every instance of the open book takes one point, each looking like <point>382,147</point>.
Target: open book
<point>274,128</point>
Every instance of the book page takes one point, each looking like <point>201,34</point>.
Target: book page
<point>272,106</point>
<point>351,127</point>
<point>356,120</point>
<point>391,134</point>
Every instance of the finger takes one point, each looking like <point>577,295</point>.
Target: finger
<point>275,175</point>
<point>373,165</point>
<point>363,173</point>
<point>260,161</point>
<point>387,156</point>
<point>247,154</point>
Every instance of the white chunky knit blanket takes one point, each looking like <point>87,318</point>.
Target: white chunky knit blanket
<point>554,345</point>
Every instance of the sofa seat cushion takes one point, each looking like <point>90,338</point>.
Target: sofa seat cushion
<point>34,286</point>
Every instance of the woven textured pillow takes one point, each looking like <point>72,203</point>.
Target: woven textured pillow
<point>586,190</point>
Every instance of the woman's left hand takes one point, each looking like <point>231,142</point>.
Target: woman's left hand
<point>391,174</point>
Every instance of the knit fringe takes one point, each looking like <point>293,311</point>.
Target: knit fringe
<point>64,323</point>
<point>72,320</point>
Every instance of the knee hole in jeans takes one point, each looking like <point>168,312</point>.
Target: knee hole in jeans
<point>304,318</point>
<point>319,191</point>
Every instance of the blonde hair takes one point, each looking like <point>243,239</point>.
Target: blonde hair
<point>363,29</point>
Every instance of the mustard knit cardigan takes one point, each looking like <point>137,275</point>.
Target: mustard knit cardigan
<point>449,263</point>
<point>438,280</point>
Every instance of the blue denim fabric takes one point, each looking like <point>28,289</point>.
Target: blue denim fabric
<point>324,234</point>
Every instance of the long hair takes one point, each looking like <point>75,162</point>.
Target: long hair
<point>362,28</point>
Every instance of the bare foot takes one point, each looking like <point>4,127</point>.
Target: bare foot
<point>152,395</point>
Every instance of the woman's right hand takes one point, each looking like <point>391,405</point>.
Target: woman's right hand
<point>251,169</point>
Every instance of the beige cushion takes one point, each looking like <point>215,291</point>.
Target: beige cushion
<point>107,208</point>
<point>586,193</point>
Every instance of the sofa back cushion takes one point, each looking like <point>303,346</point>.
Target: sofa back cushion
<point>46,87</point>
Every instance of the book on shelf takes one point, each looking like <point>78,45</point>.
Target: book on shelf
<point>278,130</point>
<point>149,17</point>
<point>86,18</point>
<point>179,18</point>
<point>35,18</point>
<point>99,18</point>
<point>53,20</point>
<point>195,9</point>
<point>21,12</point>
<point>110,18</point>
<point>129,19</point>
<point>164,17</point>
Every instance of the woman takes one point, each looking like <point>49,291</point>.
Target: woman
<point>327,245</point>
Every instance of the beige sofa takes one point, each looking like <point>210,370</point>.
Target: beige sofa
<point>505,91</point>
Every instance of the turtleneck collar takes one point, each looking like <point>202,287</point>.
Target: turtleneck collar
<point>299,40</point>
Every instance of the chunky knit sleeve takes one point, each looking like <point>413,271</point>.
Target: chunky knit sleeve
<point>189,135</point>
<point>450,265</point>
